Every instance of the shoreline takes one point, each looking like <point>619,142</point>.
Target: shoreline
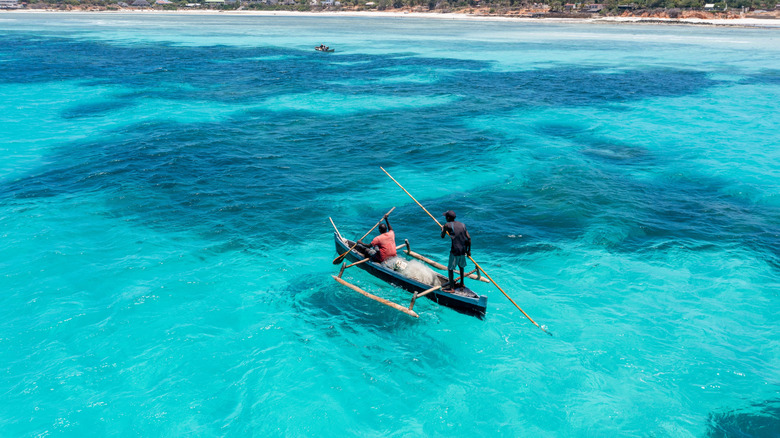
<point>768,23</point>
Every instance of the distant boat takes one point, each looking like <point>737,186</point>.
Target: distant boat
<point>324,49</point>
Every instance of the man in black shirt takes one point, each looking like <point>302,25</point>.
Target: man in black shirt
<point>461,247</point>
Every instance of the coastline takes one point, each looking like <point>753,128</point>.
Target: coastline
<point>168,182</point>
<point>767,23</point>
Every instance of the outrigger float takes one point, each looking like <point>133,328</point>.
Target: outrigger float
<point>463,300</point>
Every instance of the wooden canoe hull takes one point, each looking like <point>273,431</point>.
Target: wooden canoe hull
<point>467,301</point>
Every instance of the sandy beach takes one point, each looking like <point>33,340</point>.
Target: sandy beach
<point>732,22</point>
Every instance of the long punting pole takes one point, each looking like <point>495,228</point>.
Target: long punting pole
<point>472,260</point>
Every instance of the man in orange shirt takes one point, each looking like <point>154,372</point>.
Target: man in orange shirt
<point>383,245</point>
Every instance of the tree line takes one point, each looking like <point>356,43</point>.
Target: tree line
<point>610,7</point>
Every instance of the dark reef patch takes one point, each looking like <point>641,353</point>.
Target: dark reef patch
<point>768,77</point>
<point>96,109</point>
<point>761,420</point>
<point>221,179</point>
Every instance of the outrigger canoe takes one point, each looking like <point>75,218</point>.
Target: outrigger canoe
<point>462,300</point>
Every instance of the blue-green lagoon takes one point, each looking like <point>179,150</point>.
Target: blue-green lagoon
<point>165,249</point>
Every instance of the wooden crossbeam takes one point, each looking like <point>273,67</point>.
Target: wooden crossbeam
<point>427,291</point>
<point>422,294</point>
<point>438,265</point>
<point>356,263</point>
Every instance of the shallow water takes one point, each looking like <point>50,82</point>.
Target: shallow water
<point>166,183</point>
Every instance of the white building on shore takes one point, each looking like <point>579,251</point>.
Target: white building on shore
<point>10,4</point>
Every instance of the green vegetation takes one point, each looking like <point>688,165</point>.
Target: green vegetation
<point>610,7</point>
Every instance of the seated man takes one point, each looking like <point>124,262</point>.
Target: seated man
<point>383,245</point>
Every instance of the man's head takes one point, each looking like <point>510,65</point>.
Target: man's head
<point>382,228</point>
<point>449,215</point>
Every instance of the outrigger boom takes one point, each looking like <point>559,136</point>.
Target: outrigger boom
<point>438,265</point>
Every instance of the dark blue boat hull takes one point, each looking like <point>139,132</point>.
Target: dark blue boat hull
<point>475,305</point>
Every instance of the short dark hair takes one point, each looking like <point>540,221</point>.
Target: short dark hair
<point>382,228</point>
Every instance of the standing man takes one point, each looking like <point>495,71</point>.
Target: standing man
<point>461,247</point>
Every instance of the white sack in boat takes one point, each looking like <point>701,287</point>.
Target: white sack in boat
<point>411,269</point>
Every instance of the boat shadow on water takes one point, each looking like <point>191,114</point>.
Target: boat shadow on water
<point>329,310</point>
<point>315,299</point>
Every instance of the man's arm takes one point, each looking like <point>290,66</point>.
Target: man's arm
<point>367,245</point>
<point>387,221</point>
<point>468,244</point>
<point>443,230</point>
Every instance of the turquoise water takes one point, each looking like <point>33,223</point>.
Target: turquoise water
<point>165,251</point>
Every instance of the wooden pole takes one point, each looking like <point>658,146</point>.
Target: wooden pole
<point>475,263</point>
<point>376,298</point>
<point>438,265</point>
<point>422,294</point>
<point>426,292</point>
<point>410,195</point>
<point>338,259</point>
<point>421,257</point>
<point>357,263</point>
<point>334,227</point>
<point>508,297</point>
